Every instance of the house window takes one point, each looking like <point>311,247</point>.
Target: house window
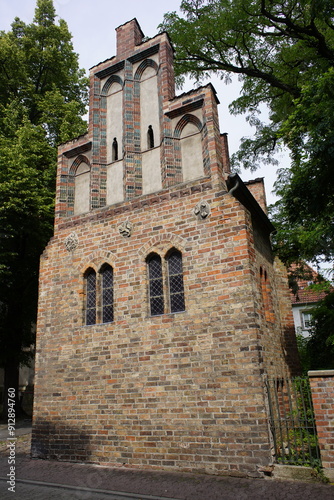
<point>90,280</point>
<point>175,281</point>
<point>168,271</point>
<point>306,318</point>
<point>99,296</point>
<point>156,295</point>
<point>107,289</point>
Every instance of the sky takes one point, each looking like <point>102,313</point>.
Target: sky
<point>92,24</point>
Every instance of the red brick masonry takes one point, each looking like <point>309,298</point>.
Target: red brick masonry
<point>322,386</point>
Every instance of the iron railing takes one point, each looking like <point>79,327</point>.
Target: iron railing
<point>292,422</point>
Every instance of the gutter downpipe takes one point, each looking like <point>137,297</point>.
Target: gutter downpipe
<point>236,185</point>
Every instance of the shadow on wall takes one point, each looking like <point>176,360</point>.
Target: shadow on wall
<point>57,441</point>
<point>292,357</point>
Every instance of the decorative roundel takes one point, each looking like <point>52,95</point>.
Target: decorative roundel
<point>71,242</point>
<point>126,229</point>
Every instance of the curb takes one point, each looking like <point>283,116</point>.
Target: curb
<point>121,494</point>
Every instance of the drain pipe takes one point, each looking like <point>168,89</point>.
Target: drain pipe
<point>231,191</point>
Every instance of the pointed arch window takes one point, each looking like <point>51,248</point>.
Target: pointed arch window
<point>99,295</point>
<point>166,290</point>
<point>114,150</point>
<point>90,309</point>
<point>156,295</point>
<point>150,137</point>
<point>107,292</point>
<point>175,281</point>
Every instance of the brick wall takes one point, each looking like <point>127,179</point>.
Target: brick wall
<point>256,187</point>
<point>183,390</point>
<point>322,387</point>
<point>179,390</point>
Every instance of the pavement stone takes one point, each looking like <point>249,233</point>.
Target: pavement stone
<point>173,485</point>
<point>39,492</point>
<point>23,427</point>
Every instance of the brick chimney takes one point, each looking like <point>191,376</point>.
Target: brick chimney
<point>128,36</point>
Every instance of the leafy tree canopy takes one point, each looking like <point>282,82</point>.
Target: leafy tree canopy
<point>40,71</point>
<point>283,52</point>
<point>317,350</point>
<point>43,95</point>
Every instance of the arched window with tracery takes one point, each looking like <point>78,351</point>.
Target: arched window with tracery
<point>165,278</point>
<point>90,297</point>
<point>107,293</point>
<point>175,281</point>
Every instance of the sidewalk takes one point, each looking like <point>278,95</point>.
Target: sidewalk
<point>21,428</point>
<point>171,485</point>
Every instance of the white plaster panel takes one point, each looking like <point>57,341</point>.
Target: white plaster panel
<point>115,183</point>
<point>151,171</point>
<point>104,81</point>
<point>154,57</point>
<point>192,157</point>
<point>82,191</point>
<point>197,112</point>
<point>82,168</point>
<point>149,109</point>
<point>114,121</point>
<point>189,129</point>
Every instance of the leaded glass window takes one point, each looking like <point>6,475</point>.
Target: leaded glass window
<point>107,283</point>
<point>175,280</point>
<point>155,285</point>
<point>90,297</point>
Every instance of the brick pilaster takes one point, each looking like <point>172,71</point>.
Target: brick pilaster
<point>322,387</point>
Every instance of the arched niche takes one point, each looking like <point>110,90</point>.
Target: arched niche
<point>80,172</point>
<point>147,75</point>
<point>112,91</point>
<point>188,131</point>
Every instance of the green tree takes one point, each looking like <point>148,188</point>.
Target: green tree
<point>283,53</point>
<point>43,95</point>
<point>320,345</point>
<point>304,214</point>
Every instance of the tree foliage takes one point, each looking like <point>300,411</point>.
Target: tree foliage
<point>40,71</point>
<point>317,350</point>
<point>283,53</point>
<point>43,94</point>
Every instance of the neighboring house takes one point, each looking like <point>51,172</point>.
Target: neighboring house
<point>303,301</point>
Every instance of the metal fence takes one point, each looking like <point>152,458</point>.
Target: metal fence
<point>292,422</point>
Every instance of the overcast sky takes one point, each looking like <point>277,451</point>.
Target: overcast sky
<point>92,24</point>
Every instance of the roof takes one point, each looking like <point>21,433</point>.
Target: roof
<point>240,191</point>
<point>305,294</point>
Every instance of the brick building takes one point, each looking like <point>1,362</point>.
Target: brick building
<point>161,308</point>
